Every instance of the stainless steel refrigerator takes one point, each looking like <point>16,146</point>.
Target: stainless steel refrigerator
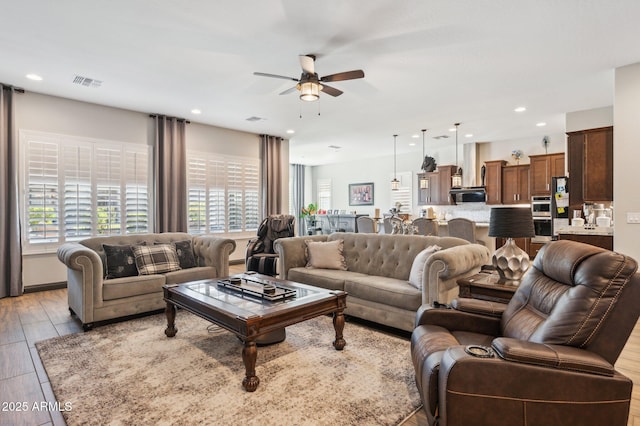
<point>559,204</point>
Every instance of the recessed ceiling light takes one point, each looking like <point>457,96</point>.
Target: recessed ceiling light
<point>415,136</point>
<point>468,135</point>
<point>541,124</point>
<point>412,144</point>
<point>34,77</point>
<point>520,109</point>
<point>291,131</point>
<point>196,111</point>
<point>453,129</point>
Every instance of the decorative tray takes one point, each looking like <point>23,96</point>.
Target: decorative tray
<point>257,287</point>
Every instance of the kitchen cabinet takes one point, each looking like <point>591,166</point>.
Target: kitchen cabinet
<point>439,186</point>
<point>515,184</point>
<point>604,241</point>
<point>431,194</point>
<point>590,164</point>
<point>445,183</point>
<point>493,181</point>
<point>542,169</point>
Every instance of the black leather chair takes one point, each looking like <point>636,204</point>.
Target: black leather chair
<point>546,358</point>
<point>259,255</point>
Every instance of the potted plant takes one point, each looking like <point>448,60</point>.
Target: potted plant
<point>311,209</point>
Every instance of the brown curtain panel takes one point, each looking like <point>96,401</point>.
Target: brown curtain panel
<point>271,174</point>
<point>10,245</point>
<point>170,172</point>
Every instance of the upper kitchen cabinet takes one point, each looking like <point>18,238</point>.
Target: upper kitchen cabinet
<point>590,162</point>
<point>542,169</point>
<point>515,184</point>
<point>445,183</point>
<point>430,194</point>
<point>439,185</point>
<point>493,181</point>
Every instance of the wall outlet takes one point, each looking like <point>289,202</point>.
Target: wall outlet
<point>633,217</point>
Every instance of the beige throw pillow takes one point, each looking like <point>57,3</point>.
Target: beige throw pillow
<point>325,255</point>
<point>417,269</point>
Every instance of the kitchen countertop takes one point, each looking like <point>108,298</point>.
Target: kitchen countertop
<point>579,230</point>
<point>478,224</point>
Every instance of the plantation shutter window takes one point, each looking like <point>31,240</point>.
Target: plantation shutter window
<point>223,193</point>
<point>74,188</point>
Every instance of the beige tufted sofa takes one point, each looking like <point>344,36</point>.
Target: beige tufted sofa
<point>378,268</point>
<point>93,297</point>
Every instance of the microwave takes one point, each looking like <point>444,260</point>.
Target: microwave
<point>541,206</point>
<point>468,195</point>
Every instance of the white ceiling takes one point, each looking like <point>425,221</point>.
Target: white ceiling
<point>427,64</point>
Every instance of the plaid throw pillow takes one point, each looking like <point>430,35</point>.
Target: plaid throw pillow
<point>156,259</point>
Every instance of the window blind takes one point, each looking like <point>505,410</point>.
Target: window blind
<point>75,188</point>
<point>224,193</point>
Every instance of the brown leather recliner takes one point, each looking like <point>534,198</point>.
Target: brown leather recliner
<point>551,350</point>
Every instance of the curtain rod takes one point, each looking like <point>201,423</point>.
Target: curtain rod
<point>177,118</point>
<point>9,86</point>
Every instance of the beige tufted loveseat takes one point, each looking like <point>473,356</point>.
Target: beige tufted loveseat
<point>378,268</point>
<point>93,297</point>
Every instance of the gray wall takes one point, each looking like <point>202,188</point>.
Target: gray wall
<point>64,116</point>
<point>626,152</point>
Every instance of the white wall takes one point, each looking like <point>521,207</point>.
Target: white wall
<point>501,150</point>
<point>64,116</point>
<point>626,151</point>
<point>589,119</point>
<point>380,170</point>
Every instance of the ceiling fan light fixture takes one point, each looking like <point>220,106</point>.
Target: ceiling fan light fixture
<point>309,91</point>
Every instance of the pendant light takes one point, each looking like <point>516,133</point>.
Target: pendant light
<point>395,183</point>
<point>456,179</point>
<point>424,182</point>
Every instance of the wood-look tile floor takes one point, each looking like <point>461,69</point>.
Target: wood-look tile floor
<point>32,317</point>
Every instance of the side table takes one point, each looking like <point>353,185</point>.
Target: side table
<point>484,286</point>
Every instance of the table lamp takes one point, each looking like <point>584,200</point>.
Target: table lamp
<point>511,261</point>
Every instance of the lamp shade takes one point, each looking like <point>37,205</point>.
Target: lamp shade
<point>511,222</point>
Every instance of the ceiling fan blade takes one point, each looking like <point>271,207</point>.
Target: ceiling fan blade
<point>347,75</point>
<point>307,62</point>
<point>274,76</point>
<point>289,90</point>
<point>331,90</point>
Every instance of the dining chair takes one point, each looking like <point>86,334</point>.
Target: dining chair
<point>462,228</point>
<point>426,226</point>
<point>365,224</point>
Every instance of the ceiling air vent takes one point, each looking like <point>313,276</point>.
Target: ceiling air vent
<point>441,137</point>
<point>86,82</point>
<point>254,118</point>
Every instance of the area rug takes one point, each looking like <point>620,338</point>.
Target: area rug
<point>131,373</point>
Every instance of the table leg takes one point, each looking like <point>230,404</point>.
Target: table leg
<point>170,311</point>
<point>249,356</point>
<point>338,325</point>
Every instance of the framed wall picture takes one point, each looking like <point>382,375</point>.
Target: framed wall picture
<point>361,194</point>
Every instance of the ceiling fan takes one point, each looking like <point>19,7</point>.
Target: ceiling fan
<point>309,84</point>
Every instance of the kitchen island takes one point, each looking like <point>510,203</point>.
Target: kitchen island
<point>601,236</point>
<point>482,233</point>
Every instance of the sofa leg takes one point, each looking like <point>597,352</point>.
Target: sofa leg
<point>88,326</point>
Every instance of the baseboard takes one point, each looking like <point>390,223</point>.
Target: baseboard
<point>236,262</point>
<point>45,287</point>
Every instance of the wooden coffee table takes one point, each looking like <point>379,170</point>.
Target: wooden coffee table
<point>245,309</point>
